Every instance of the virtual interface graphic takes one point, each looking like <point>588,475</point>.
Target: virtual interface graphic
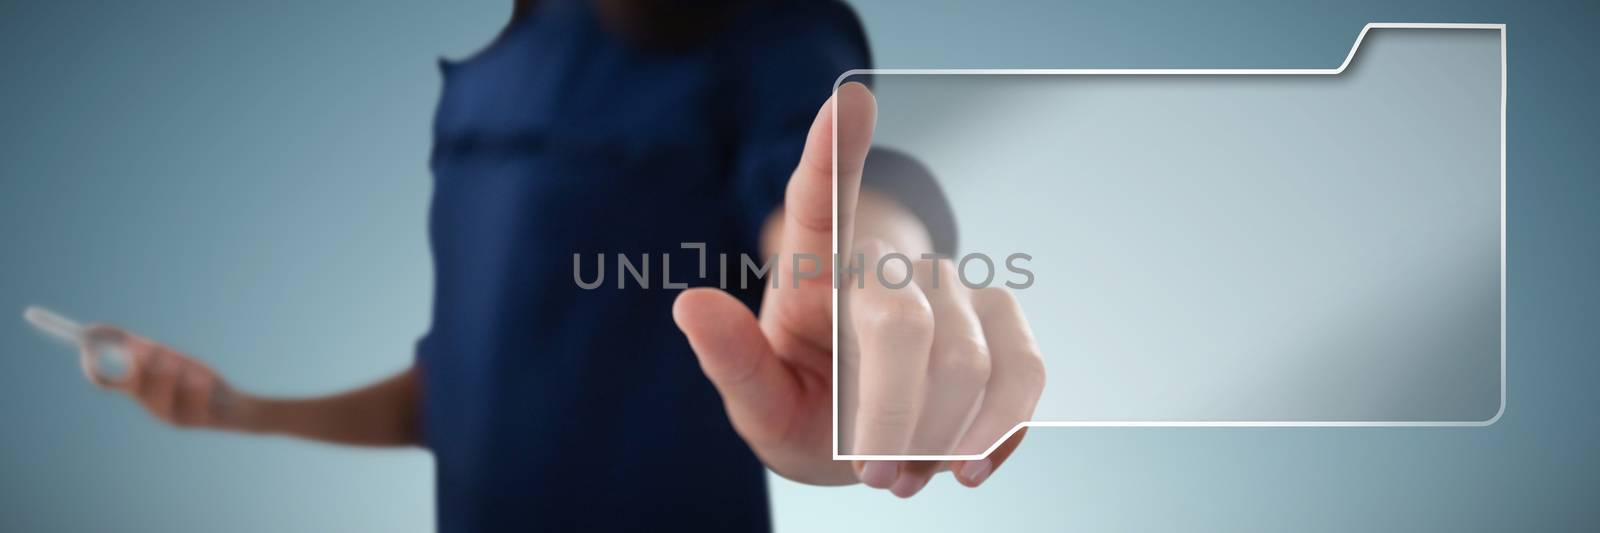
<point>1234,247</point>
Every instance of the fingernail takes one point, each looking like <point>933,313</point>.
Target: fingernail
<point>908,485</point>
<point>977,471</point>
<point>880,474</point>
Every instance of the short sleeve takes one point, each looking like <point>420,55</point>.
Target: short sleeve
<point>784,58</point>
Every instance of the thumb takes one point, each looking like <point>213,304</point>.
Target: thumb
<point>758,389</point>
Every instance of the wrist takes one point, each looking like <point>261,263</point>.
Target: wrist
<point>242,412</point>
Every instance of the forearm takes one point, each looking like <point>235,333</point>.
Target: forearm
<point>381,414</point>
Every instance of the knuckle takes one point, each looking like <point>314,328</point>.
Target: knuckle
<point>907,313</point>
<point>1030,369</point>
<point>994,298</point>
<point>964,362</point>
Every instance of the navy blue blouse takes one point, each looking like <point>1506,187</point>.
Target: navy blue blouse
<point>551,407</point>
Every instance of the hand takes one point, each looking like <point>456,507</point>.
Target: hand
<point>921,370</point>
<point>174,387</point>
<point>930,366</point>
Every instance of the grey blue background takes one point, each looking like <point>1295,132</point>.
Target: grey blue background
<point>247,181</point>
<point>1219,248</point>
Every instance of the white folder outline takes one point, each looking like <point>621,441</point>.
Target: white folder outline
<point>1167,72</point>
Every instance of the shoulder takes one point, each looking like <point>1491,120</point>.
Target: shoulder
<point>799,30</point>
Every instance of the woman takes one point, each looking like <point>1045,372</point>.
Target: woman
<point>593,129</point>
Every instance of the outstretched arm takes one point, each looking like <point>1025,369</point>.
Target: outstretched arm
<point>380,414</point>
<point>927,365</point>
<point>182,391</point>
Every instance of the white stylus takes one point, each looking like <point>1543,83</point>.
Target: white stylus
<point>60,327</point>
<point>109,358</point>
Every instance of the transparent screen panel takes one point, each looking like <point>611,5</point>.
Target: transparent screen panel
<point>1250,247</point>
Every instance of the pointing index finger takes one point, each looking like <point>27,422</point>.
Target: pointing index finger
<point>836,145</point>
